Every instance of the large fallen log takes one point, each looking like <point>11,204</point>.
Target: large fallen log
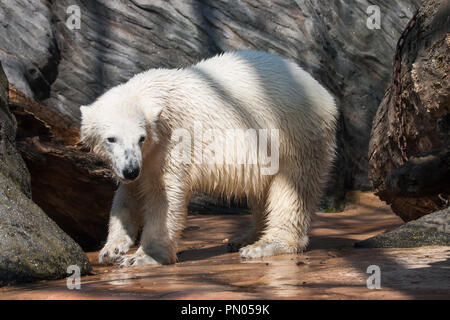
<point>427,174</point>
<point>72,186</point>
<point>406,124</point>
<point>424,174</point>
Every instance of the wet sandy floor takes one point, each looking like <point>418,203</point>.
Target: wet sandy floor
<point>331,268</point>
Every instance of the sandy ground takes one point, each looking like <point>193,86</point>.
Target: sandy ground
<point>331,268</point>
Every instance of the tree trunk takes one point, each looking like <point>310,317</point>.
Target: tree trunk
<point>407,121</point>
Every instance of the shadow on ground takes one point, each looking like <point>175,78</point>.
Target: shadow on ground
<point>331,268</point>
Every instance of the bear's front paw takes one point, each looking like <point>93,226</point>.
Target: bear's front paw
<point>136,259</point>
<point>113,250</point>
<point>266,249</point>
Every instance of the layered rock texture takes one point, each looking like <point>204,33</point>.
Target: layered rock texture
<point>32,246</point>
<point>66,68</point>
<point>410,145</point>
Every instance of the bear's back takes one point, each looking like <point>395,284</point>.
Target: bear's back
<point>261,83</point>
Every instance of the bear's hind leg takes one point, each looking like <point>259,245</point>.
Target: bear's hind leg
<point>287,219</point>
<point>123,225</point>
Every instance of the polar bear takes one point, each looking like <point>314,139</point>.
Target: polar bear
<point>137,128</point>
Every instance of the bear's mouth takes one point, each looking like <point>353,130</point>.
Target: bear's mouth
<point>125,181</point>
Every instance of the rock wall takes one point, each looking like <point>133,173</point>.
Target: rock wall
<point>65,68</point>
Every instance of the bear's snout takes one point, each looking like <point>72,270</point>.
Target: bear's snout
<point>131,173</point>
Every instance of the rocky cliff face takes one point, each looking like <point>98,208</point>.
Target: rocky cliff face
<point>66,68</point>
<point>32,247</point>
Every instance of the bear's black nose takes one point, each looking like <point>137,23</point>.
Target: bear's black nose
<point>130,173</point>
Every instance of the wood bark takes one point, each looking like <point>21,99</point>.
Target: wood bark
<point>407,121</point>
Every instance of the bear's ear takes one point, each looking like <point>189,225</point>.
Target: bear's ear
<point>85,113</point>
<point>152,114</point>
<point>84,109</point>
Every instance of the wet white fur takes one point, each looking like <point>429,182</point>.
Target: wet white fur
<point>243,89</point>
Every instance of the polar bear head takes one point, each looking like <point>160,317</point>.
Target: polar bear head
<point>115,128</point>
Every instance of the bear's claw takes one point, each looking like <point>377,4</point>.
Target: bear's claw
<point>113,251</point>
<point>135,259</point>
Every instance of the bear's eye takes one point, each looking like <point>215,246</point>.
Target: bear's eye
<point>111,139</point>
<point>141,139</point>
